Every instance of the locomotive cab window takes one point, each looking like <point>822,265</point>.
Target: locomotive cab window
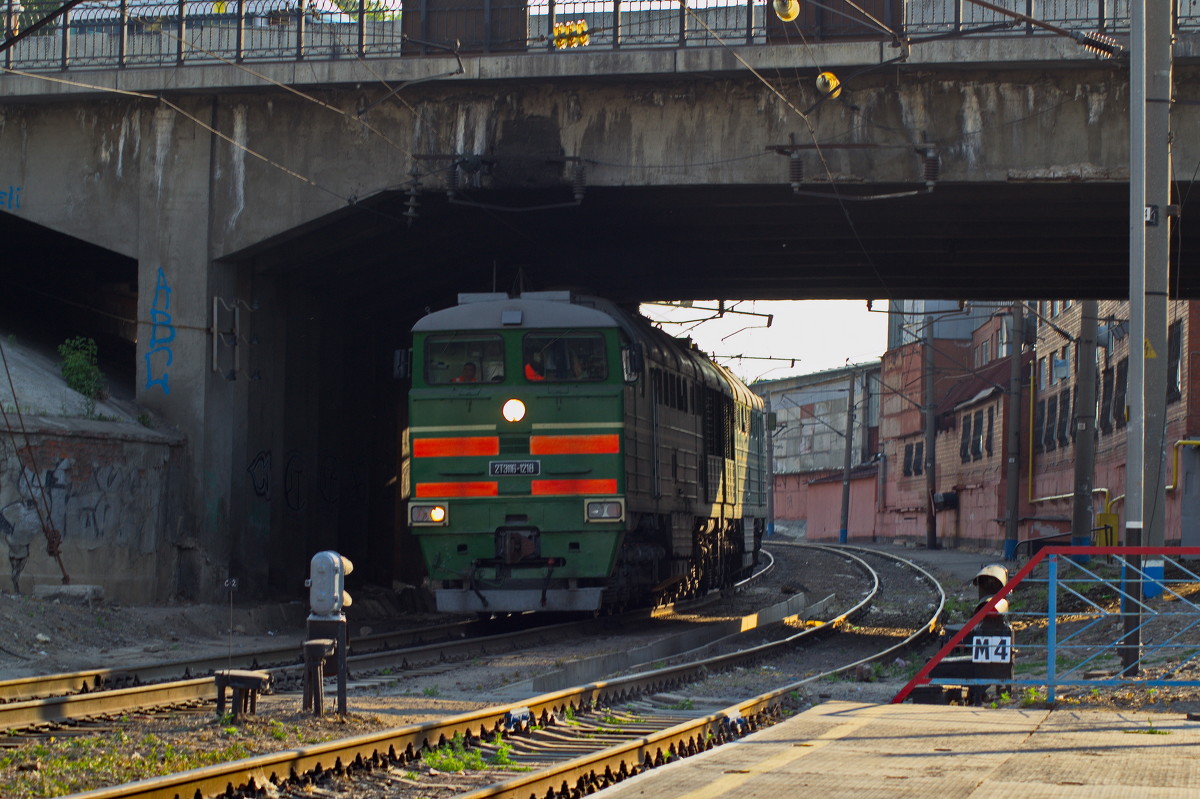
<point>569,357</point>
<point>464,359</point>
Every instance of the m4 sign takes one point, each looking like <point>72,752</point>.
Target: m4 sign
<point>991,649</point>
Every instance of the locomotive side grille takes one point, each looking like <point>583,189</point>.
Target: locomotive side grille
<point>514,444</point>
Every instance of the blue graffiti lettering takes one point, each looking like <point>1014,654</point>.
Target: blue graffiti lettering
<point>11,199</point>
<point>162,333</point>
<point>161,288</point>
<point>161,329</point>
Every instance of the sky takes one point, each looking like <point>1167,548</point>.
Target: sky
<point>819,334</point>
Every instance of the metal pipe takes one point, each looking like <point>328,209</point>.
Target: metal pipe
<point>1012,439</point>
<point>1085,424</point>
<point>930,440</point>
<point>847,460</point>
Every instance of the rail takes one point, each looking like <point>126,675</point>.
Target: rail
<point>575,777</point>
<point>1079,619</point>
<point>99,34</point>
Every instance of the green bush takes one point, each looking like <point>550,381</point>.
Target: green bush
<point>79,367</point>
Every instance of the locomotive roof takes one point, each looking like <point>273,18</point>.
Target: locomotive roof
<point>529,311</point>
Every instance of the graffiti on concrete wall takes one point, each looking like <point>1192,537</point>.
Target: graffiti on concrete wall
<point>260,474</point>
<point>162,333</point>
<point>11,199</point>
<point>333,484</point>
<point>93,503</point>
<point>293,481</point>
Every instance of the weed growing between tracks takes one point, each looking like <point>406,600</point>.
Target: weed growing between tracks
<point>455,756</point>
<point>160,745</point>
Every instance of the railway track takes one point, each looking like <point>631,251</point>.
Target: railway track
<point>624,724</point>
<point>51,701</point>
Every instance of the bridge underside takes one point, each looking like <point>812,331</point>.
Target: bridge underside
<point>337,298</point>
<point>958,241</point>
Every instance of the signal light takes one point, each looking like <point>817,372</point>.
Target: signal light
<point>427,514</point>
<point>327,583</point>
<point>571,34</point>
<point>604,510</point>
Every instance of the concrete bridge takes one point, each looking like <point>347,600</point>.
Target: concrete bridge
<point>255,239</point>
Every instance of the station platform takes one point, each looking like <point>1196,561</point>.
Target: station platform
<point>844,750</point>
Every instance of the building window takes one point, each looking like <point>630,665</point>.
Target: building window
<point>1002,337</point>
<point>1118,406</point>
<point>1051,424</point>
<point>1074,404</point>
<point>964,448</point>
<point>987,441</point>
<point>1104,413</point>
<point>1064,417</point>
<point>977,437</point>
<point>1041,367</point>
<point>1174,373</point>
<point>985,351</point>
<point>914,455</point>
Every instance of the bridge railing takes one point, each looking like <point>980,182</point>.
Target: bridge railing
<point>120,33</point>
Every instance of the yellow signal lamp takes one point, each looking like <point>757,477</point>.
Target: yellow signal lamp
<point>829,85</point>
<point>787,10</point>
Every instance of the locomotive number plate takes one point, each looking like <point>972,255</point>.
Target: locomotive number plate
<point>991,649</point>
<point>514,468</point>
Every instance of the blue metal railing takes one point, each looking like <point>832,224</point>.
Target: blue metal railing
<point>1098,627</point>
<point>120,33</point>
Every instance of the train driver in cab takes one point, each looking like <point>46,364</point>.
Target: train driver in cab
<point>535,366</point>
<point>469,374</point>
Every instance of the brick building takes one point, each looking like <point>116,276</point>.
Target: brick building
<point>964,353</point>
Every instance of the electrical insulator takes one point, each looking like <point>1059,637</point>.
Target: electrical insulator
<point>578,181</point>
<point>829,85</point>
<point>571,34</point>
<point>787,10</point>
<point>933,168</point>
<point>412,204</point>
<point>795,170</point>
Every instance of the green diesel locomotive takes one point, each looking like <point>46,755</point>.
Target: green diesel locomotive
<point>565,455</point>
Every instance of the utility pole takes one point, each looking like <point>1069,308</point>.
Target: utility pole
<point>1150,84</point>
<point>770,436</point>
<point>1159,44</point>
<point>1012,452</point>
<point>847,459</point>
<point>930,440</point>
<point>1085,424</point>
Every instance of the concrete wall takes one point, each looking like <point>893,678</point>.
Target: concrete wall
<point>110,490</point>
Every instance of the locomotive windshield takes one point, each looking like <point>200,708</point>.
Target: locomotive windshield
<point>566,357</point>
<point>464,359</point>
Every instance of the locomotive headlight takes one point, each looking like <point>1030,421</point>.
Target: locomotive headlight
<point>604,510</point>
<point>513,410</point>
<point>428,515</point>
